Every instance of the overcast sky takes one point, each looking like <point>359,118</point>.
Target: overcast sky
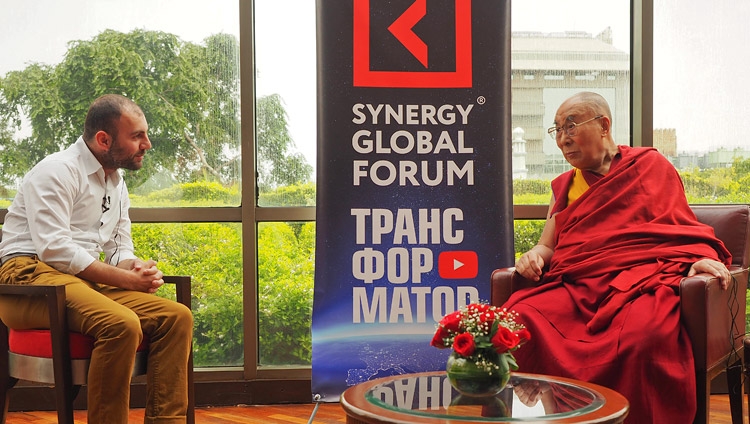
<point>701,60</point>
<point>699,67</point>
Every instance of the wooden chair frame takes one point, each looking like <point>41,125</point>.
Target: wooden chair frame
<point>65,390</point>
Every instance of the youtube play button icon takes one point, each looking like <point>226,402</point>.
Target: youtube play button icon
<point>458,264</point>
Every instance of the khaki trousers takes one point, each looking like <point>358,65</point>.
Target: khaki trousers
<point>117,319</point>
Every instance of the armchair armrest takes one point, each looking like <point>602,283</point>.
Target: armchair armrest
<point>55,296</point>
<point>184,296</point>
<point>506,281</point>
<point>705,312</point>
<point>58,324</point>
<point>182,287</point>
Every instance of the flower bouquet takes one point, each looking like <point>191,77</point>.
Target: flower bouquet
<point>482,338</point>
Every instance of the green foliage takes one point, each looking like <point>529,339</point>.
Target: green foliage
<point>532,187</point>
<point>292,195</point>
<point>531,192</point>
<point>27,93</point>
<point>212,255</point>
<point>286,257</point>
<point>6,197</point>
<point>718,185</point>
<point>526,234</point>
<point>708,185</point>
<point>741,168</point>
<point>531,198</point>
<point>200,191</point>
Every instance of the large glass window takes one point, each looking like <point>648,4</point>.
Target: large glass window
<point>285,102</point>
<point>286,263</point>
<point>286,140</point>
<point>179,60</point>
<point>700,96</point>
<point>211,253</point>
<point>555,52</point>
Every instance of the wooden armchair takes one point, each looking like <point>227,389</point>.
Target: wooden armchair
<point>61,357</point>
<point>715,330</point>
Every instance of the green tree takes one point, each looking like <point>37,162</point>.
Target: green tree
<point>277,164</point>
<point>189,93</point>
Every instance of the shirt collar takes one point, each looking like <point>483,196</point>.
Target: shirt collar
<point>91,164</point>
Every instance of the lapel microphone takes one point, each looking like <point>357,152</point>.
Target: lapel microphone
<point>105,203</point>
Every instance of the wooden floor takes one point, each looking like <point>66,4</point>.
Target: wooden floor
<point>329,413</point>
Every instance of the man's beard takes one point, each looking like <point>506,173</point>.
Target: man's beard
<point>114,158</point>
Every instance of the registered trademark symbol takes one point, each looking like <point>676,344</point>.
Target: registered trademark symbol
<point>481,100</point>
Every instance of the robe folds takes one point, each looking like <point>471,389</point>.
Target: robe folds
<point>608,309</point>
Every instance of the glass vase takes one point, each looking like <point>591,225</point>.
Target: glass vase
<point>472,380</point>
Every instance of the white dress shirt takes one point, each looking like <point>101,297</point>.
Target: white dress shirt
<point>67,213</point>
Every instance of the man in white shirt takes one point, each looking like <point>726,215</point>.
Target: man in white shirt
<point>71,207</point>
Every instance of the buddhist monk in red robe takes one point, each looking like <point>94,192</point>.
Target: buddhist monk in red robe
<point>618,239</point>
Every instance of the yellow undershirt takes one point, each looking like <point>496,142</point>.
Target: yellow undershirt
<point>577,187</point>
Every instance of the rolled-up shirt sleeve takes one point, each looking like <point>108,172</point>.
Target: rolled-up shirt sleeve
<point>49,219</point>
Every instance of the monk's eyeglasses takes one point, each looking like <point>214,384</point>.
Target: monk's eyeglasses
<point>570,128</point>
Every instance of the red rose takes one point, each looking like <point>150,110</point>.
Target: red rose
<point>504,340</point>
<point>464,344</point>
<point>440,335</point>
<point>452,322</point>
<point>523,335</point>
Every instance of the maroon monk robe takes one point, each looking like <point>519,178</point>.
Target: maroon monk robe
<point>607,310</point>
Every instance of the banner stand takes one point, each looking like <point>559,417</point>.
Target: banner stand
<point>414,179</point>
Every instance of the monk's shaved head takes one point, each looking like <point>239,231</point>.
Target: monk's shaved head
<point>593,102</point>
<point>587,141</point>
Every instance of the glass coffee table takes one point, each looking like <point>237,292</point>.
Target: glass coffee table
<point>429,398</point>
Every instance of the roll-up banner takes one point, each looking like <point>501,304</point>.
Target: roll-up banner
<point>414,189</point>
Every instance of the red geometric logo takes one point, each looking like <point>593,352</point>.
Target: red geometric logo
<point>458,264</point>
<point>401,28</point>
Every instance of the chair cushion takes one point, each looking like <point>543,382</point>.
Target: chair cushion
<point>39,343</point>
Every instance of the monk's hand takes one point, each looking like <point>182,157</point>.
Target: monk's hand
<point>530,392</point>
<point>530,265</point>
<point>715,268</point>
